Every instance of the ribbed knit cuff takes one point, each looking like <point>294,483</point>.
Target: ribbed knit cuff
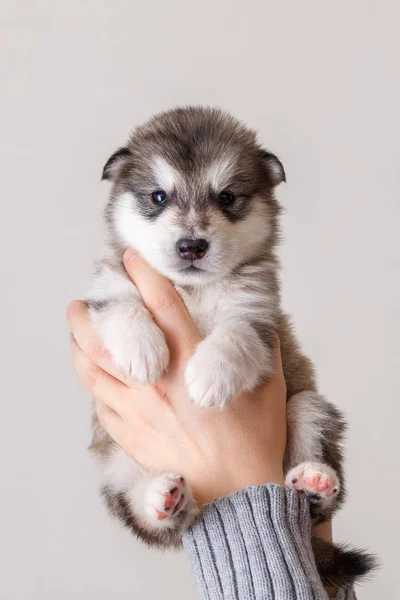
<point>255,544</point>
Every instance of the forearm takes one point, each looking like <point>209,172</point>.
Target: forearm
<point>256,543</point>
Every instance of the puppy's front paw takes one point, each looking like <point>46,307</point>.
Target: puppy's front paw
<point>213,377</point>
<point>232,360</point>
<point>146,357</point>
<point>137,345</point>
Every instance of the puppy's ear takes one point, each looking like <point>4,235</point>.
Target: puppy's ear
<point>115,163</point>
<point>274,166</point>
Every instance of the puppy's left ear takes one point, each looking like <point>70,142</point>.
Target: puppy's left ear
<point>114,164</point>
<point>274,166</point>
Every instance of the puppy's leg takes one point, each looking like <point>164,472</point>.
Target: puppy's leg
<point>313,460</point>
<point>314,465</point>
<point>231,360</point>
<point>126,328</point>
<point>156,508</point>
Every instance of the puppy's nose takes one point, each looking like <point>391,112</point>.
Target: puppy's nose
<point>191,249</point>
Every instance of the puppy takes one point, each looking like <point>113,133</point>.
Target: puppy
<point>193,192</point>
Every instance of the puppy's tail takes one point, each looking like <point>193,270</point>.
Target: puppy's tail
<point>339,565</point>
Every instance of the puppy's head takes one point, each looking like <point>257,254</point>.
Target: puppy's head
<point>193,193</point>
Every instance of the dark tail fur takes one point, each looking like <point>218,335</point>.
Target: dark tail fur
<point>340,566</point>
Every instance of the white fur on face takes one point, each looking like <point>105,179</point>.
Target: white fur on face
<point>152,239</point>
<point>230,243</point>
<point>166,176</point>
<point>220,173</point>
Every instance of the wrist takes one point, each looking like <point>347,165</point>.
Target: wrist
<point>207,491</point>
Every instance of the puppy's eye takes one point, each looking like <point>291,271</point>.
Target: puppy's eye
<point>159,197</point>
<point>226,198</point>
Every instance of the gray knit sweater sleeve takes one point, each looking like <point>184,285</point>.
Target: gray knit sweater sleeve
<point>256,545</point>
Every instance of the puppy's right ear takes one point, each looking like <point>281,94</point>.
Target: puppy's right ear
<point>275,167</point>
<point>115,163</point>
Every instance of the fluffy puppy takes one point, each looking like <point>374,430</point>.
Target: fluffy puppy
<point>193,192</point>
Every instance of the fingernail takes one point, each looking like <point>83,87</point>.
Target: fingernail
<point>130,254</point>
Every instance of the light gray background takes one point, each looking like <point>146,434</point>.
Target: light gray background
<point>320,81</point>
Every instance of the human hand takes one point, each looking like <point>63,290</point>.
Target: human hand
<point>218,452</point>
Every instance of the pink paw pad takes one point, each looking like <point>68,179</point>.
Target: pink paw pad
<point>317,481</point>
<point>173,498</point>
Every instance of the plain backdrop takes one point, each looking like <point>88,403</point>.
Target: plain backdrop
<point>320,81</point>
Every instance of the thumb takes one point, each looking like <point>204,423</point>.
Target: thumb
<point>164,303</point>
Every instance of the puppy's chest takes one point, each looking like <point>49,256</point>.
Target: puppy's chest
<point>228,300</point>
<point>204,306</point>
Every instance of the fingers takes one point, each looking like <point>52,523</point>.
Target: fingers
<point>101,384</point>
<point>126,436</point>
<point>110,421</point>
<point>87,338</point>
<point>165,305</point>
<point>127,402</point>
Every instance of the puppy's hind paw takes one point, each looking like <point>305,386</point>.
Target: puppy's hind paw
<point>166,497</point>
<point>318,481</point>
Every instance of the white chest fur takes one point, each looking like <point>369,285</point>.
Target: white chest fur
<point>204,305</point>
<point>244,296</point>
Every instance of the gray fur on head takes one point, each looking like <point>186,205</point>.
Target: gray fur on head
<point>194,156</point>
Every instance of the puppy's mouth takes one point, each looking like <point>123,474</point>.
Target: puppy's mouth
<point>193,268</point>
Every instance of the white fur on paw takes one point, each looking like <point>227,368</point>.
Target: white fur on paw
<point>210,381</point>
<point>317,480</point>
<point>232,360</point>
<point>214,378</point>
<point>166,496</point>
<point>137,345</point>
